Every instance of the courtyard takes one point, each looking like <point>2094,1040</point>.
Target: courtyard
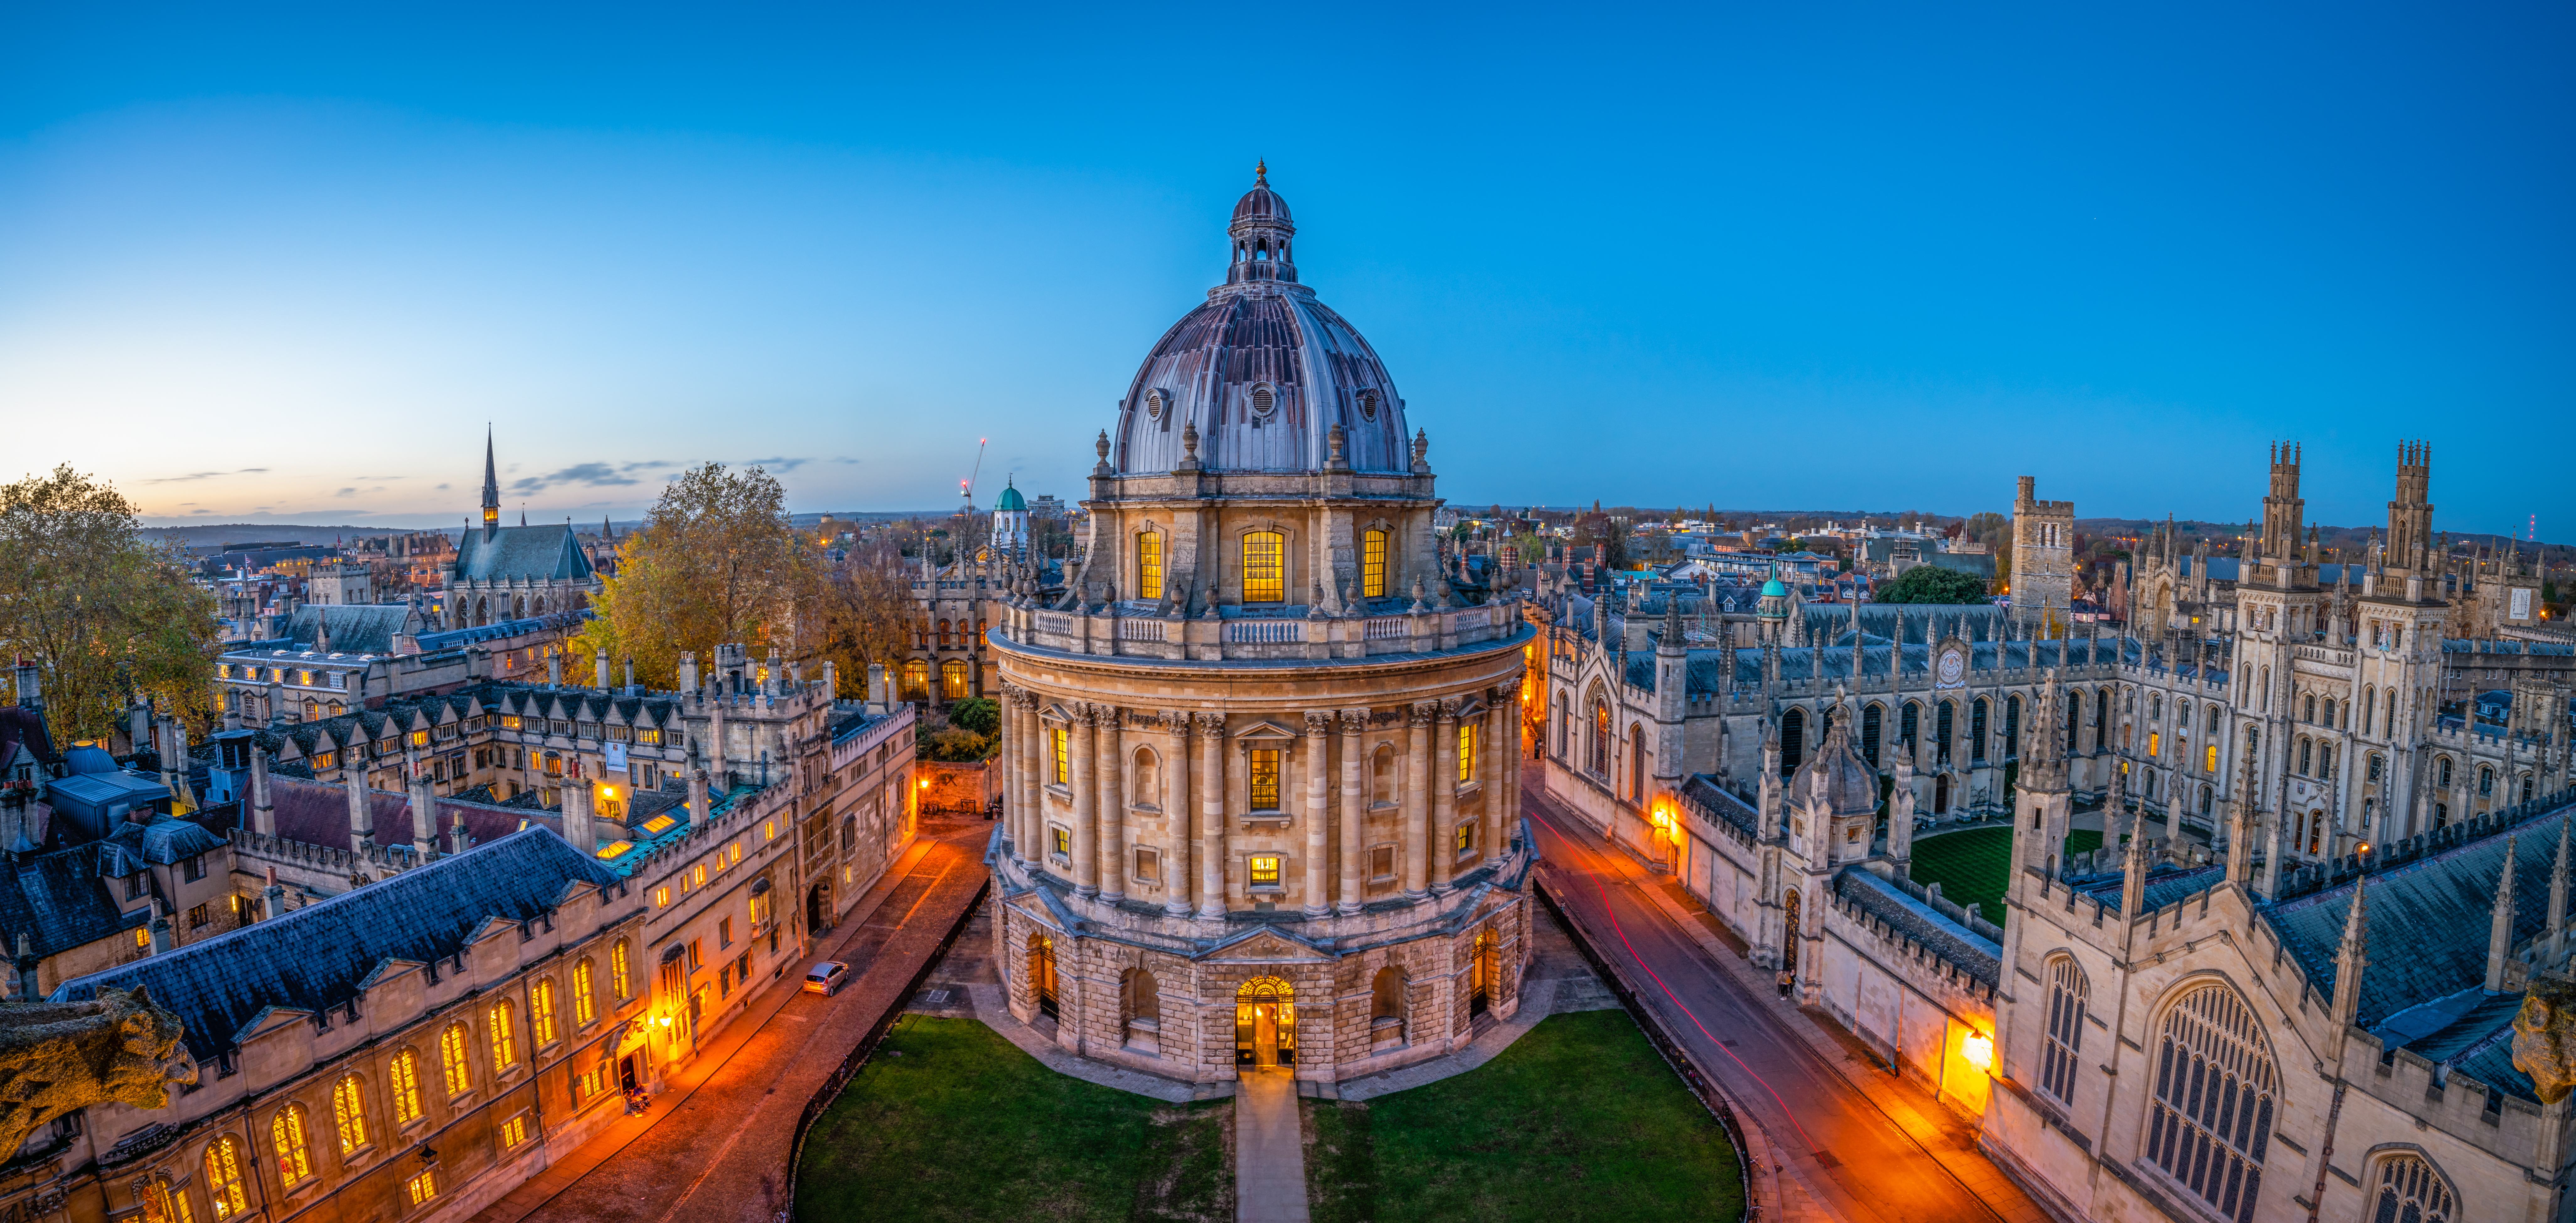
<point>1973,865</point>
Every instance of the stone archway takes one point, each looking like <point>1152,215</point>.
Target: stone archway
<point>1789,932</point>
<point>1042,980</point>
<point>1265,1023</point>
<point>818,906</point>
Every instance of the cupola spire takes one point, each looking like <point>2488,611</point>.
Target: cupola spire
<point>491,489</point>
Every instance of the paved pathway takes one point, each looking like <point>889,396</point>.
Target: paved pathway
<point>1269,1150</point>
<point>1855,1143</point>
<point>717,1138</point>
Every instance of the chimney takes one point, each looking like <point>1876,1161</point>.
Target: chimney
<point>26,964</point>
<point>31,687</point>
<point>163,938</point>
<point>576,817</point>
<point>424,813</point>
<point>716,747</point>
<point>554,668</point>
<point>263,813</point>
<point>698,795</point>
<point>688,671</point>
<point>877,696</point>
<point>631,690</point>
<point>362,815</point>
<point>603,670</point>
<point>273,898</point>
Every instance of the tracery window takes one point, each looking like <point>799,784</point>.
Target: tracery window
<point>403,1075</point>
<point>1977,726</point>
<point>585,1006</point>
<point>1909,725</point>
<point>224,1178</point>
<point>955,679</point>
<point>1793,738</point>
<point>1149,565</point>
<point>286,1133</point>
<point>349,1112</point>
<point>2067,993</point>
<point>541,1011</point>
<point>916,679</point>
<point>1597,748</point>
<point>1373,565</point>
<point>2211,1120</point>
<point>455,1059</point>
<point>2410,1191</point>
<point>1870,720</point>
<point>1265,567</point>
<point>505,1047</point>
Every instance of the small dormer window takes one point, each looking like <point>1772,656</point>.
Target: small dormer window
<point>1265,400</point>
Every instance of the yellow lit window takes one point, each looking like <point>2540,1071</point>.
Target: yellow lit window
<point>541,1011</point>
<point>1265,567</point>
<point>2209,763</point>
<point>1265,779</point>
<point>1062,741</point>
<point>769,830</point>
<point>294,1160</point>
<point>514,1131</point>
<point>1149,565</point>
<point>584,1006</point>
<point>737,853</point>
<point>453,1056</point>
<point>1373,565</point>
<point>698,875</point>
<point>509,721</point>
<point>224,1179</point>
<point>1063,842</point>
<point>916,678</point>
<point>617,969</point>
<point>658,825</point>
<point>1265,870</point>
<point>142,939</point>
<point>2154,740</point>
<point>349,1111</point>
<point>1466,752</point>
<point>420,1189</point>
<point>661,898</point>
<point>956,682</point>
<point>404,1075</point>
<point>1466,836</point>
<point>589,1083</point>
<point>420,738</point>
<point>505,1050</point>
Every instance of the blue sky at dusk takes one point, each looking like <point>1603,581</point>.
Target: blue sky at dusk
<point>272,263</point>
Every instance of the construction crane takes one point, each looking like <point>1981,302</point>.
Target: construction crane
<point>966,487</point>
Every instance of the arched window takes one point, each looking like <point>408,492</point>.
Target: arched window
<point>2526,788</point>
<point>585,1003</point>
<point>2211,1120</point>
<point>2207,796</point>
<point>1265,567</point>
<point>2102,720</point>
<point>1373,565</point>
<point>2012,725</point>
<point>455,1060</point>
<point>2068,991</point>
<point>1149,565</point>
<point>1909,725</point>
<point>403,1076</point>
<point>1144,786</point>
<point>2442,772</point>
<point>2325,760</point>
<point>2266,689</point>
<point>617,969</point>
<point>1564,723</point>
<point>505,1046</point>
<point>541,1011</point>
<point>2388,716</point>
<point>2327,711</point>
<point>1636,764</point>
<point>2486,781</point>
<point>1870,720</point>
<point>1793,740</point>
<point>2305,747</point>
<point>1942,720</point>
<point>349,1112</point>
<point>2308,709</point>
<point>955,680</point>
<point>1977,728</point>
<point>943,634</point>
<point>224,1178</point>
<point>2213,719</point>
<point>916,679</point>
<point>1598,756</point>
<point>2156,707</point>
<point>2410,1190</point>
<point>286,1134</point>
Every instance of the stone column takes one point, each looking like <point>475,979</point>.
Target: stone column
<point>1176,815</point>
<point>1497,767</point>
<point>1444,795</point>
<point>1113,804</point>
<point>1354,811</point>
<point>1086,831</point>
<point>1013,744</point>
<point>1031,795</point>
<point>1319,726</point>
<point>1211,783</point>
<point>1417,802</point>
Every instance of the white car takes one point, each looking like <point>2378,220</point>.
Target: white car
<point>827,978</point>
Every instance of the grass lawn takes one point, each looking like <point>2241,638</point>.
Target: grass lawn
<point>1971,866</point>
<point>951,1122</point>
<point>1579,1119</point>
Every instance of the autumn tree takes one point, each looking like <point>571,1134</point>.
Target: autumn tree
<point>716,562</point>
<point>107,618</point>
<point>860,613</point>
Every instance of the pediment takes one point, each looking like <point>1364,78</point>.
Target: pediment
<point>1267,946</point>
<point>1265,730</point>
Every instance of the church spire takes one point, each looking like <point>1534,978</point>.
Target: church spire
<point>2500,924</point>
<point>491,489</point>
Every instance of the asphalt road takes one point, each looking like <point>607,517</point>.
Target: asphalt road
<point>1865,1160</point>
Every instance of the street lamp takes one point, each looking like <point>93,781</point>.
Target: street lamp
<point>1979,1051</point>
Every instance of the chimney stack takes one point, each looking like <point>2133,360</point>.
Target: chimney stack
<point>362,814</point>
<point>877,696</point>
<point>263,814</point>
<point>576,817</point>
<point>424,813</point>
<point>31,693</point>
<point>603,670</point>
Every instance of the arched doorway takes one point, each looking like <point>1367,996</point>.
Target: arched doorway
<point>1480,974</point>
<point>1789,933</point>
<point>1941,794</point>
<point>1265,1023</point>
<point>1042,973</point>
<point>818,907</point>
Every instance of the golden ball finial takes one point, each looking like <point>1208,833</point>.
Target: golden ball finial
<point>1261,172</point>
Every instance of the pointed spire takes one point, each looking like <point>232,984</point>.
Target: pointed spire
<point>2558,899</point>
<point>2500,923</point>
<point>491,488</point>
<point>2133,880</point>
<point>2352,962</point>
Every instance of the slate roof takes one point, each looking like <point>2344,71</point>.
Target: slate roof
<point>1718,803</point>
<point>431,643</point>
<point>1980,957</point>
<point>62,900</point>
<point>545,553</point>
<point>364,628</point>
<point>317,813</point>
<point>316,958</point>
<point>165,840</point>
<point>21,726</point>
<point>1835,661</point>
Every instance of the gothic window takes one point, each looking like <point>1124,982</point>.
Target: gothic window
<point>349,1112</point>
<point>1636,764</point>
<point>541,1011</point>
<point>2067,993</point>
<point>505,1048</point>
<point>403,1076</point>
<point>224,1178</point>
<point>2486,781</point>
<point>1793,739</point>
<point>1870,719</point>
<point>2308,710</point>
<point>1149,565</point>
<point>1908,724</point>
<point>1265,572</point>
<point>2213,719</point>
<point>1373,565</point>
<point>2012,725</point>
<point>2526,787</point>
<point>2328,710</point>
<point>294,1156</point>
<point>1597,755</point>
<point>2211,1119</point>
<point>916,679</point>
<point>943,634</point>
<point>956,679</point>
<point>1977,725</point>
<point>2325,760</point>
<point>585,998</point>
<point>2304,748</point>
<point>2442,772</point>
<point>2156,707</point>
<point>2206,798</point>
<point>2266,688</point>
<point>1942,724</point>
<point>2074,720</point>
<point>2376,764</point>
<point>2102,721</point>
<point>455,1060</point>
<point>2410,1191</point>
<point>2388,720</point>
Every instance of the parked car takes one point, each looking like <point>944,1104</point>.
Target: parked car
<point>827,978</point>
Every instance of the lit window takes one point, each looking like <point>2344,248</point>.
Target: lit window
<point>659,824</point>
<point>541,1011</point>
<point>1466,752</point>
<point>1265,870</point>
<point>617,969</point>
<point>420,738</point>
<point>1062,740</point>
<point>1466,835</point>
<point>453,1056</point>
<point>584,1007</point>
<point>294,1160</point>
<point>1149,565</point>
<point>955,680</point>
<point>2154,741</point>
<point>505,1050</point>
<point>737,853</point>
<point>768,832</point>
<point>420,1189</point>
<point>1265,779</point>
<point>142,937</point>
<point>349,1111</point>
<point>661,898</point>
<point>1063,841</point>
<point>224,1179</point>
<point>514,1131</point>
<point>1373,565</point>
<point>1265,573</point>
<point>2209,759</point>
<point>509,721</point>
<point>404,1075</point>
<point>698,875</point>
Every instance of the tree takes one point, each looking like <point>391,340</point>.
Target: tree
<point>980,714</point>
<point>859,614</point>
<point>1933,584</point>
<point>108,618</point>
<point>715,562</point>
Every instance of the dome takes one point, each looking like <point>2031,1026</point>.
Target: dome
<point>1010,501</point>
<point>1837,774</point>
<point>1773,589</point>
<point>1263,370</point>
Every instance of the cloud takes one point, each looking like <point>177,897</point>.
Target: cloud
<point>441,488</point>
<point>204,475</point>
<point>578,473</point>
<point>201,511</point>
<point>647,464</point>
<point>777,464</point>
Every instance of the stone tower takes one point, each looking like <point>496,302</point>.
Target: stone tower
<point>2043,558</point>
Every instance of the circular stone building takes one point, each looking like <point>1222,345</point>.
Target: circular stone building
<point>1262,787</point>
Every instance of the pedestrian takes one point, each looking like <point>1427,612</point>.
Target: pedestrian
<point>1787,977</point>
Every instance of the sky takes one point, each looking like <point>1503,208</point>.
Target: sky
<point>286,264</point>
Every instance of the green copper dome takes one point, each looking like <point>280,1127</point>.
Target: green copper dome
<point>1774,590</point>
<point>1010,502</point>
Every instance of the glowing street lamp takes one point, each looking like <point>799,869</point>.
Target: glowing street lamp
<point>1977,1048</point>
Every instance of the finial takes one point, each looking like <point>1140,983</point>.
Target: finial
<point>1190,439</point>
<point>1261,172</point>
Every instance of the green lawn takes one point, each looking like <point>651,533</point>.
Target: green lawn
<point>1971,866</point>
<point>1579,1119</point>
<point>951,1122</point>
